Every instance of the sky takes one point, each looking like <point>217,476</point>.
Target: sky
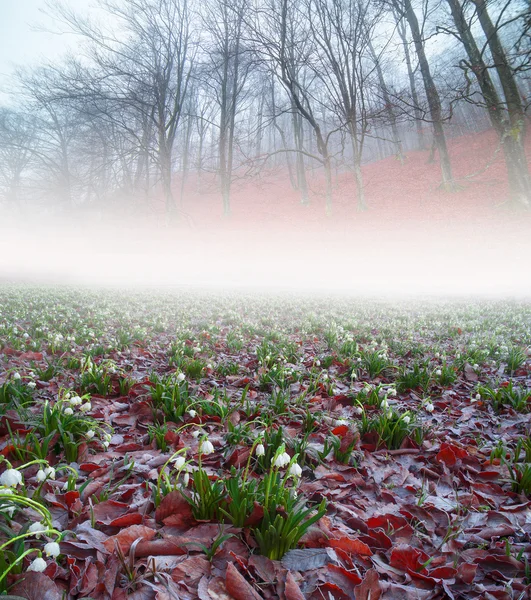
<point>20,41</point>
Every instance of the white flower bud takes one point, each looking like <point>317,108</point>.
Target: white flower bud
<point>11,478</point>
<point>260,450</point>
<point>295,470</point>
<point>52,549</point>
<point>207,447</point>
<point>38,565</point>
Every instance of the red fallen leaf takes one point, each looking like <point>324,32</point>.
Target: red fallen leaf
<point>470,374</point>
<point>71,497</point>
<point>237,586</point>
<point>466,573</point>
<point>292,591</point>
<point>450,454</point>
<point>354,546</point>
<point>387,522</point>
<point>376,539</point>
<point>369,588</point>
<point>331,590</point>
<point>353,578</point>
<point>238,457</point>
<point>191,570</point>
<point>108,510</point>
<point>406,557</point>
<point>35,586</point>
<point>170,546</point>
<point>256,516</point>
<point>340,430</point>
<point>126,520</point>
<point>31,356</point>
<point>7,450</point>
<point>443,572</point>
<point>126,537</point>
<point>89,467</point>
<point>174,505</point>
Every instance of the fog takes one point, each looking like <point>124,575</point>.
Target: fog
<point>311,145</point>
<point>411,261</point>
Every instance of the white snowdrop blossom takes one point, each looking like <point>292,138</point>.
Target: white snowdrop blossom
<point>11,478</point>
<point>37,529</point>
<point>192,413</point>
<point>196,433</point>
<point>16,376</point>
<point>52,549</point>
<point>295,470</point>
<point>38,565</point>
<point>32,385</point>
<point>207,447</point>
<point>90,434</point>
<point>186,478</point>
<point>429,407</point>
<point>406,419</point>
<point>339,422</point>
<point>438,372</point>
<point>358,410</point>
<point>85,407</point>
<point>260,450</point>
<point>282,460</point>
<point>391,392</point>
<point>181,377</point>
<point>75,401</point>
<point>478,397</point>
<point>68,411</point>
<point>41,476</point>
<point>384,405</point>
<point>105,445</point>
<point>49,472</point>
<point>179,462</point>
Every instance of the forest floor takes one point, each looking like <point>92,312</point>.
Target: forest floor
<point>184,446</point>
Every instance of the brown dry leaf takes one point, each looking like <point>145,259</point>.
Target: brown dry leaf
<point>237,586</point>
<point>126,537</point>
<point>369,588</point>
<point>292,589</point>
<point>35,586</point>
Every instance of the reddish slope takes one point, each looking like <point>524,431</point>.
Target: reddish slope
<point>407,193</point>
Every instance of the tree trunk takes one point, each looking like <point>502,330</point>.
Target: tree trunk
<point>514,134</point>
<point>432,95</point>
<point>421,142</point>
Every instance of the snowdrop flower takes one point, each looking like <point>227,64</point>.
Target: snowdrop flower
<point>391,392</point>
<point>52,549</point>
<point>16,376</point>
<point>317,363</point>
<point>477,397</point>
<point>68,411</point>
<point>196,433</point>
<point>37,529</point>
<point>41,476</point>
<point>358,410</point>
<point>85,407</point>
<point>179,462</point>
<point>353,375</point>
<point>192,413</point>
<point>429,407</point>
<point>260,450</point>
<point>11,478</point>
<point>38,565</point>
<point>89,434</point>
<point>32,385</point>
<point>75,401</point>
<point>438,372</point>
<point>207,447</point>
<point>406,419</point>
<point>105,445</point>
<point>181,377</point>
<point>384,405</point>
<point>186,478</point>
<point>295,470</point>
<point>339,422</point>
<point>282,460</point>
<point>49,472</point>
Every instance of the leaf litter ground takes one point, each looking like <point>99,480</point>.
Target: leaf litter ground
<point>410,419</point>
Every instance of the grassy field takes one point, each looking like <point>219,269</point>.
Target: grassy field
<point>187,445</point>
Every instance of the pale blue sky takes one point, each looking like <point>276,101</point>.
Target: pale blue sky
<point>19,42</point>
